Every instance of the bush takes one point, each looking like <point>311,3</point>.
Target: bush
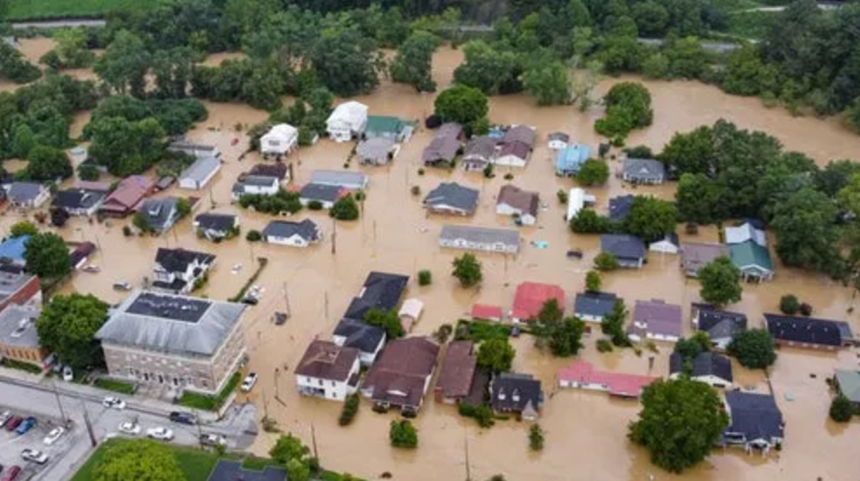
<point>415,190</point>
<point>253,236</point>
<point>420,171</point>
<point>805,309</point>
<point>562,196</point>
<point>350,408</point>
<point>605,262</point>
<point>402,434</point>
<point>210,403</point>
<point>346,208</point>
<point>536,438</point>
<point>482,414</point>
<point>789,304</point>
<point>488,171</point>
<point>604,345</point>
<point>425,277</point>
<point>283,201</point>
<point>509,176</point>
<point>315,205</point>
<point>841,409</point>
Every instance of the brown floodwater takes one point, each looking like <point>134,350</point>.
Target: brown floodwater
<point>585,432</point>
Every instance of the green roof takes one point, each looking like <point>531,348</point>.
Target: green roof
<point>384,123</point>
<point>749,253</point>
<point>849,384</point>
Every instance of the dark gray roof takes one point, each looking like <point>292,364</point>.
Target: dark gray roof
<point>321,192</point>
<point>215,222</point>
<point>24,191</point>
<point>18,326</point>
<point>157,212</point>
<point>622,246</point>
<point>808,330</point>
<point>306,229</point>
<point>441,148</point>
<point>364,337</point>
<point>620,206</point>
<point>178,260</point>
<point>77,198</point>
<point>596,304</point>
<point>233,471</point>
<point>710,317</point>
<point>559,136</point>
<point>524,386</point>
<point>520,133</point>
<point>482,146</point>
<point>258,180</point>
<point>381,290</point>
<point>644,168</point>
<point>754,415</point>
<point>454,195</point>
<point>705,364</point>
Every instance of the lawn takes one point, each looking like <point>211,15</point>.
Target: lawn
<point>481,330</point>
<point>210,403</point>
<point>114,385</point>
<point>49,9</point>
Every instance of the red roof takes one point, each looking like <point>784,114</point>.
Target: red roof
<point>484,311</point>
<point>128,194</point>
<point>531,296</point>
<point>618,384</point>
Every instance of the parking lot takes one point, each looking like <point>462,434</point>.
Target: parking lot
<point>12,443</point>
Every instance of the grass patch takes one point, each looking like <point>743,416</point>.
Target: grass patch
<point>332,476</point>
<point>481,331</point>
<point>115,385</point>
<point>48,9</point>
<point>210,403</point>
<point>21,366</point>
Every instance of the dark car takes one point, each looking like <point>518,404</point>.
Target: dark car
<point>26,425</point>
<point>13,423</point>
<point>183,418</point>
<point>11,474</point>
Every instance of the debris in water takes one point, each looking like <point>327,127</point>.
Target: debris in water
<point>789,397</point>
<point>540,244</point>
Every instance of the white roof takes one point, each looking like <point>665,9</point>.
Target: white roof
<point>575,202</point>
<point>282,132</point>
<point>352,112</point>
<point>411,308</point>
<point>743,233</point>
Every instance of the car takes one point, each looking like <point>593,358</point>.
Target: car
<point>53,436</point>
<point>11,474</point>
<point>35,456</point>
<point>162,434</point>
<point>183,418</point>
<point>212,440</point>
<point>27,424</point>
<point>122,286</point>
<point>249,381</point>
<point>113,402</point>
<point>68,374</point>
<point>130,428</point>
<point>5,416</point>
<point>13,423</point>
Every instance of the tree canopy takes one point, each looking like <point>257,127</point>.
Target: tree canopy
<point>753,348</point>
<point>721,282</point>
<point>48,164</point>
<point>628,107</point>
<point>651,218</point>
<point>462,104</point>
<point>47,256</point>
<point>67,326</point>
<point>413,64</point>
<point>496,355</point>
<point>142,459</point>
<point>467,270</point>
<point>387,320</point>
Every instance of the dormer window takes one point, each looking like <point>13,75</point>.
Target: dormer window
<point>501,395</point>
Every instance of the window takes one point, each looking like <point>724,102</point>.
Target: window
<point>320,381</point>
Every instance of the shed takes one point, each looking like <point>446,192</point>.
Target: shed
<point>668,244</point>
<point>410,312</point>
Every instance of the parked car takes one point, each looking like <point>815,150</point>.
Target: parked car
<point>53,436</point>
<point>11,474</point>
<point>35,456</point>
<point>5,416</point>
<point>13,423</point>
<point>162,434</point>
<point>183,418</point>
<point>249,382</point>
<point>68,374</point>
<point>26,425</point>
<point>212,440</point>
<point>129,427</point>
<point>113,402</point>
<point>122,286</point>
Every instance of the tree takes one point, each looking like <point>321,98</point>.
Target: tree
<point>402,434</point>
<point>841,409</point>
<point>690,153</point>
<point>16,68</point>
<point>414,61</point>
<point>721,282</point>
<point>387,320</point>
<point>298,470</point>
<point>138,459</point>
<point>536,438</point>
<point>467,269</point>
<point>698,199</point>
<point>550,312</point>
<point>605,262</point>
<point>587,221</point>
<point>496,355</point>
<point>125,147</point>
<point>548,84</point>
<point>183,208</point>
<point>690,348</point>
<point>593,172</point>
<point>23,227</point>
<point>651,218</point>
<point>612,324</point>
<point>789,304</point>
<point>425,277</point>
<point>59,216</point>
<point>565,337</point>
<point>67,327</point>
<point>805,231</point>
<point>47,256</point>
<point>124,64</point>
<point>23,141</point>
<point>461,104</point>
<point>48,164</point>
<point>651,18</point>
<point>679,423</point>
<point>592,281</point>
<point>346,208</point>
<point>490,70</point>
<point>628,107</point>
<point>345,62</point>
<point>71,50</point>
<point>288,448</point>
<point>753,348</point>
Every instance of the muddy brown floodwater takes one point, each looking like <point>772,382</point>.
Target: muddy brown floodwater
<point>585,432</point>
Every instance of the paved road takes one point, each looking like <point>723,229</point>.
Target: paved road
<point>59,24</point>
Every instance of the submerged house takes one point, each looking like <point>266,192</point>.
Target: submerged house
<point>756,422</point>
<point>328,371</point>
<point>479,152</point>
<point>160,214</point>
<point>444,146</point>
<point>594,306</point>
<point>401,375</point>
<point>127,196</point>
<point>387,127</point>
<point>707,367</point>
<point>79,202</point>
<point>177,270</point>
<point>294,234</point>
<point>753,260</point>
<point>347,121</point>
<point>486,239</point>
<point>655,320</point>
<point>516,146</point>
<point>522,205</point>
<point>569,160</point>
<point>518,394</point>
<point>627,249</point>
<point>198,174</point>
<point>280,140</point>
<point>720,325</point>
<point>457,373</point>
<point>28,195</point>
<point>530,298</point>
<point>453,199</point>
<point>694,256</point>
<point>377,150</point>
<point>216,226</point>
<point>643,171</point>
<point>582,375</point>
<point>808,332</point>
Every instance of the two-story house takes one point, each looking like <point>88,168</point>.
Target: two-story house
<point>328,371</point>
<point>176,270</point>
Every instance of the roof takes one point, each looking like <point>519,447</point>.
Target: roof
<point>848,381</point>
<point>518,391</point>
<point>92,186</point>
<point>327,360</point>
<point>400,372</point>
<point>375,148</point>
<point>178,260</point>
<point>216,222</point>
<point>191,148</point>
<point>485,235</point>
<point>81,252</point>
<point>347,179</point>
<point>745,232</point>
<point>531,296</point>
<point>559,136</point>
<point>449,129</point>
<point>177,324</point>
<point>618,384</point>
<point>129,192</point>
<point>619,207</point>
<point>257,180</point>
<point>755,415</point>
<point>750,253</point>
<point>483,146</point>
<point>444,148</point>
<point>597,304</point>
<point>661,318</point>
<point>694,256</point>
<point>283,132</point>
<point>523,200</point>
<point>411,308</point>
<point>458,369</point>
<point>381,291</point>
<point>484,311</point>
<point>454,195</point>
<point>364,337</point>
<point>14,248</point>
<point>808,330</point>
<point>305,229</point>
<point>77,198</point>
<point>572,157</point>
<point>12,280</point>
<point>705,364</point>
<point>158,212</point>
<point>623,246</point>
<point>644,168</point>
<point>711,317</point>
<point>520,133</point>
<point>276,169</point>
<point>384,123</point>
<point>25,191</point>
<point>670,237</point>
<point>201,169</point>
<point>18,326</point>
<point>517,149</point>
<point>351,112</point>
<point>575,202</point>
<point>233,471</point>
<point>322,192</point>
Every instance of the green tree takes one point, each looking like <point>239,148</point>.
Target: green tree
<point>124,64</point>
<point>16,68</point>
<point>413,64</point>
<point>345,62</point>
<point>548,84</point>
<point>698,199</point>
<point>550,312</point>
<point>425,277</point>
<point>496,355</point>
<point>589,222</point>
<point>612,324</point>
<point>651,18</point>
<point>23,141</point>
<point>346,208</point>
<point>721,282</point>
<point>72,49</point>
<point>788,304</point>
<point>23,227</point>
<point>183,208</point>
<point>686,57</point>
<point>841,409</point>
<point>289,447</point>
<point>753,348</point>
<point>490,70</point>
<point>656,66</point>
<point>125,147</point>
<point>605,262</point>
<point>298,470</point>
<point>593,172</point>
<point>690,348</point>
<point>142,459</point>
<point>387,320</point>
<point>536,438</point>
<point>67,327</point>
<point>690,153</point>
<point>462,104</point>
<point>467,270</point>
<point>628,107</point>
<point>651,218</point>
<point>805,231</point>
<point>679,423</point>
<point>47,256</point>
<point>48,164</point>
<point>565,337</point>
<point>746,74</point>
<point>402,434</point>
<point>592,281</point>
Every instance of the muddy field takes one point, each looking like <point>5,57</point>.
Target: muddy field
<point>585,431</point>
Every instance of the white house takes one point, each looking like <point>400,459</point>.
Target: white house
<point>294,234</point>
<point>255,184</point>
<point>328,371</point>
<point>280,140</point>
<point>176,270</point>
<point>558,140</point>
<point>515,202</point>
<point>707,367</point>
<point>198,174</point>
<point>347,121</point>
<point>668,244</point>
<point>575,202</point>
<point>27,195</point>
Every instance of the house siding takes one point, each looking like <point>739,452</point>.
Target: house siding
<point>479,246</point>
<point>293,241</point>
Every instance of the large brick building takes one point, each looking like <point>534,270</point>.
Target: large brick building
<point>18,287</point>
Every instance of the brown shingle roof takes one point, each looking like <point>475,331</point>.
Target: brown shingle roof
<point>128,194</point>
<point>527,202</point>
<point>327,360</point>
<point>403,366</point>
<point>520,133</point>
<point>458,369</point>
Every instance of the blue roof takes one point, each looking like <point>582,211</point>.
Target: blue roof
<point>571,158</point>
<point>14,248</point>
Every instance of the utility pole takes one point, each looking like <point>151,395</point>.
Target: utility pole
<point>89,425</point>
<point>265,405</point>
<point>326,305</point>
<point>287,300</point>
<point>59,403</point>
<point>314,441</point>
<point>466,449</point>
<point>333,236</point>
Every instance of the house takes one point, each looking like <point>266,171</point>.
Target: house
<point>326,195</point>
<point>198,174</point>
<point>255,185</point>
<point>280,140</point>
<point>744,233</point>
<point>328,371</point>
<point>200,151</point>
<point>347,121</point>
<point>530,298</point>
<point>557,140</point>
<point>694,256</point>
<point>127,196</point>
<point>377,151</point>
<point>160,214</point>
<point>367,339</point>
<point>479,152</point>
<point>444,146</point>
<point>628,250</point>
<point>569,160</point>
<point>594,306</point>
<point>401,375</point>
<point>643,171</point>
<point>18,287</point>
<point>487,312</point>
<point>178,342</point>
<point>275,169</point>
<point>708,367</point>
<point>387,127</point>
<point>582,375</point>
<point>457,372</point>
<point>453,199</point>
<point>516,146</point>
<point>667,245</point>
<point>93,186</point>
<point>516,393</point>
<point>177,270</point>
<point>808,332</point>
<point>753,260</point>
<point>27,195</point>
<point>721,326</point>
<point>226,470</point>
<point>79,202</point>
<point>506,241</point>
<point>655,320</point>
<point>847,382</point>
<point>346,179</point>
<point>12,250</point>
<point>81,254</point>
<point>216,226</point>
<point>19,340</point>
<point>521,204</point>
<point>410,313</point>
<point>619,207</point>
<point>294,234</point>
<point>381,291</point>
<point>755,422</point>
<point>576,199</point>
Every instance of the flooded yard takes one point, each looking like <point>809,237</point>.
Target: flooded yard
<point>586,432</point>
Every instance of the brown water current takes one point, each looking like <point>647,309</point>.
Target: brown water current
<point>585,432</point>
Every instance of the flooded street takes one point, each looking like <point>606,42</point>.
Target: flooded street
<point>585,432</point>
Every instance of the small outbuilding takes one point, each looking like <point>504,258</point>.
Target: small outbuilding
<point>410,313</point>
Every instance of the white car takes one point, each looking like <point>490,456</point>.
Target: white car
<point>4,417</point>
<point>68,374</point>
<point>130,428</point>
<point>212,440</point>
<point>249,381</point>
<point>34,455</point>
<point>53,436</point>
<point>162,434</point>
<point>113,402</point>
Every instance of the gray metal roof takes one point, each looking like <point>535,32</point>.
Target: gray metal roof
<point>480,234</point>
<point>374,148</point>
<point>17,326</point>
<point>350,180</point>
<point>24,191</point>
<point>306,229</point>
<point>159,212</point>
<point>168,323</point>
<point>644,168</point>
<point>622,246</point>
<point>201,169</point>
<point>454,195</point>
